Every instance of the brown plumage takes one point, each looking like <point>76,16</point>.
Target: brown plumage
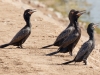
<point>64,34</point>
<point>70,42</point>
<point>24,33</point>
<point>86,48</point>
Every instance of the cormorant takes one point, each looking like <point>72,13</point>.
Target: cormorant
<point>24,33</point>
<point>70,42</point>
<point>64,33</point>
<point>86,48</point>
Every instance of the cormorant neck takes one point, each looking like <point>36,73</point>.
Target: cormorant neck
<point>76,25</point>
<point>73,20</point>
<point>91,36</point>
<point>28,23</point>
<point>71,23</point>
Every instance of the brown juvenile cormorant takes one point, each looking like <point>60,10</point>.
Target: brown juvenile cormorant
<point>86,48</point>
<point>64,33</point>
<point>70,42</point>
<point>24,33</point>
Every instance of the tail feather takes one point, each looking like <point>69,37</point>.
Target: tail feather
<point>68,62</point>
<point>63,50</point>
<point>47,46</point>
<point>53,53</point>
<point>4,45</point>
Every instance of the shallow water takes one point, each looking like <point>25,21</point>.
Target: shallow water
<point>94,11</point>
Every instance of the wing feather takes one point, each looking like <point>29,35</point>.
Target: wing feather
<point>70,39</point>
<point>20,35</point>
<point>83,50</point>
<point>65,33</point>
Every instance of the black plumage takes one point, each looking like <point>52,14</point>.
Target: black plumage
<point>64,33</point>
<point>24,33</point>
<point>86,48</point>
<point>70,42</point>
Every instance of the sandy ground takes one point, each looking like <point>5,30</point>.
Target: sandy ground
<point>32,60</point>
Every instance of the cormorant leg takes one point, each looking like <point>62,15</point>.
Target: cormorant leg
<point>18,46</point>
<point>70,53</point>
<point>75,63</point>
<point>84,61</point>
<point>21,46</point>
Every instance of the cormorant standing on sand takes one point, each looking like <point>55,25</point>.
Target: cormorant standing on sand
<point>24,33</point>
<point>86,48</point>
<point>70,42</point>
<point>64,34</point>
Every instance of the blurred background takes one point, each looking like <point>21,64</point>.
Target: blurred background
<point>62,8</point>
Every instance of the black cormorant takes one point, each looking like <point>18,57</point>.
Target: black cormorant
<point>64,33</point>
<point>86,48</point>
<point>24,33</point>
<point>70,42</point>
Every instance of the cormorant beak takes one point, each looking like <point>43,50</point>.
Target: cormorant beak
<point>81,12</point>
<point>96,25</point>
<point>32,11</point>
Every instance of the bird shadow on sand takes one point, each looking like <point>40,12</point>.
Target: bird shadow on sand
<point>19,48</point>
<point>25,48</point>
<point>65,64</point>
<point>58,54</point>
<point>13,48</point>
<point>47,48</point>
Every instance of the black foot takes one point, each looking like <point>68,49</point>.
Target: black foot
<point>85,62</point>
<point>19,47</point>
<point>71,53</point>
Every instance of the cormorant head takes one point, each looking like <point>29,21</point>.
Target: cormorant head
<point>77,14</point>
<point>27,13</point>
<point>70,14</point>
<point>91,28</point>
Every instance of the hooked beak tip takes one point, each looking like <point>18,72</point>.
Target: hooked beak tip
<point>81,12</point>
<point>95,25</point>
<point>34,10</point>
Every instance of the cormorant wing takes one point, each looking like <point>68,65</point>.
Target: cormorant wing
<point>69,40</point>
<point>65,33</point>
<point>20,35</point>
<point>83,50</point>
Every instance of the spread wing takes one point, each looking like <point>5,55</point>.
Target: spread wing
<point>83,50</point>
<point>20,35</point>
<point>70,39</point>
<point>65,33</point>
